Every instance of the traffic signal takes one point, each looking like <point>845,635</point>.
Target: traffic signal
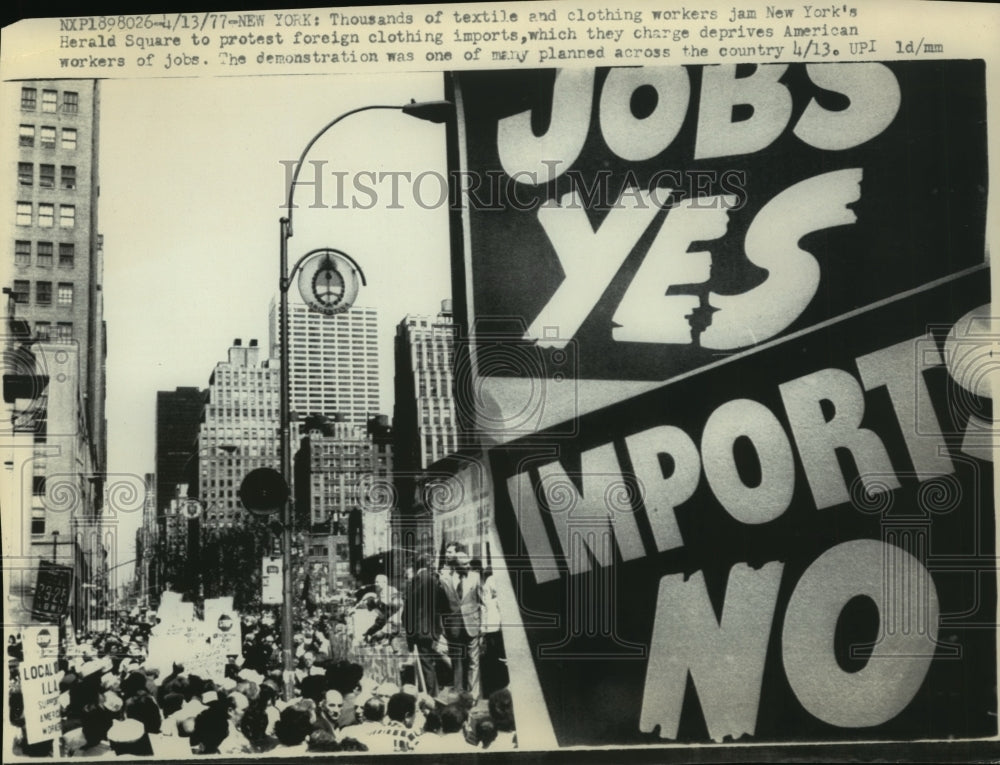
<point>263,491</point>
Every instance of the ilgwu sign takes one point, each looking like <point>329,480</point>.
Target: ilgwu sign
<point>789,535</point>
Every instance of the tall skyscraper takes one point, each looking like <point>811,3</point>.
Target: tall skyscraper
<point>424,417</point>
<point>238,432</point>
<point>178,417</point>
<point>54,387</point>
<point>334,362</point>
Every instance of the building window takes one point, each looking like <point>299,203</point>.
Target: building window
<point>64,332</point>
<point>26,135</point>
<point>38,485</point>
<point>29,97</point>
<point>43,331</point>
<point>23,217</point>
<point>46,215</point>
<point>49,100</point>
<point>43,293</point>
<point>22,253</point>
<point>48,137</point>
<point>44,254</point>
<point>69,138</point>
<point>21,288</point>
<point>47,176</point>
<point>25,173</point>
<point>68,177</point>
<point>65,294</point>
<point>67,254</point>
<point>71,102</point>
<point>37,522</point>
<point>67,216</point>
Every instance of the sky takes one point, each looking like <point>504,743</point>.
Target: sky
<point>192,189</point>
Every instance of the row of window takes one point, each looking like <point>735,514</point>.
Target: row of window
<point>46,137</point>
<point>47,176</point>
<point>219,412</point>
<point>43,253</point>
<point>50,101</point>
<point>43,292</point>
<point>62,332</point>
<point>46,215</point>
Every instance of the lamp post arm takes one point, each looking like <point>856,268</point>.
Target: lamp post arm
<point>287,228</point>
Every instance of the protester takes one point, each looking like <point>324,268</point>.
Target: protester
<point>397,734</point>
<point>119,695</point>
<point>372,715</point>
<point>493,658</point>
<point>462,622</point>
<point>292,731</point>
<point>328,714</point>
<point>422,622</point>
<point>501,707</point>
<point>211,728</point>
<point>96,724</point>
<point>452,738</point>
<point>485,732</point>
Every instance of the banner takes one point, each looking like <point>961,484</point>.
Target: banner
<point>40,678</point>
<point>52,592</point>
<point>729,333</point>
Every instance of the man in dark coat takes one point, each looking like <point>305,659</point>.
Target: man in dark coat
<point>422,620</point>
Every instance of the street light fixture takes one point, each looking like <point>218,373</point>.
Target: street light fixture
<point>429,111</point>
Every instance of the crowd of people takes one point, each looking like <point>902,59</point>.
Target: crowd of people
<point>448,694</point>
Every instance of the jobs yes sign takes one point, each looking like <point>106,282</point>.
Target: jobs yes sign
<point>778,536</point>
<point>657,217</point>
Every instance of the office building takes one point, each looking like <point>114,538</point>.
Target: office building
<point>424,417</point>
<point>239,432</point>
<point>337,469</point>
<point>333,362</point>
<point>57,264</point>
<point>54,362</point>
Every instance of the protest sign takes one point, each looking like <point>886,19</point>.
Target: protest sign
<point>40,678</point>
<point>222,624</point>
<point>623,226</point>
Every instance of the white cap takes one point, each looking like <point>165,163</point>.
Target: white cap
<point>126,731</point>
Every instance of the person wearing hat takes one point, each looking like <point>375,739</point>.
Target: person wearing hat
<point>128,738</point>
<point>211,728</point>
<point>95,724</point>
<point>463,622</point>
<point>386,690</point>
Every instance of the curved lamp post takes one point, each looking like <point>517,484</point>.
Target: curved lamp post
<point>430,111</point>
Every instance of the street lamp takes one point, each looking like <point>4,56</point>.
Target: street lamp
<point>430,111</point>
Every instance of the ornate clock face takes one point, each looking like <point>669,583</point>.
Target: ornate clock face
<point>328,281</point>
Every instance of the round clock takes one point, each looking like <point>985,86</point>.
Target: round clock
<point>329,281</point>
